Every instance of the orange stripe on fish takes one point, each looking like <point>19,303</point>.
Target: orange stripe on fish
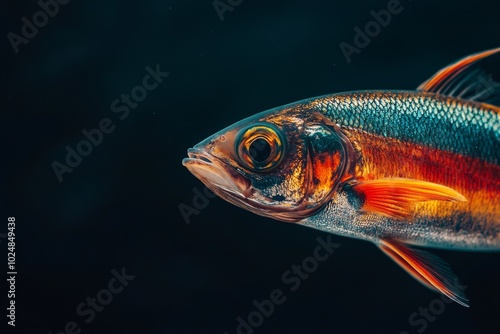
<point>477,181</point>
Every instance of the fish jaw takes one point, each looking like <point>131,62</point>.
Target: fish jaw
<point>216,175</point>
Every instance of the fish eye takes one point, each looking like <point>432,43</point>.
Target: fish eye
<point>260,147</point>
<point>260,150</point>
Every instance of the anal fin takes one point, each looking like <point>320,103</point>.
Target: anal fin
<point>426,268</point>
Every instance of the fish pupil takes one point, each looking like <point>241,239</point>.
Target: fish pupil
<point>260,150</point>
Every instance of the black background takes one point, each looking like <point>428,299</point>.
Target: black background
<point>119,207</point>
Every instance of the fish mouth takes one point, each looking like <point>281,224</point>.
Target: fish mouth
<point>216,175</point>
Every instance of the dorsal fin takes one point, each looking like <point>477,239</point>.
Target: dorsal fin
<point>472,78</point>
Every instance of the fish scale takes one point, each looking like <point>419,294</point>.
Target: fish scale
<point>423,118</point>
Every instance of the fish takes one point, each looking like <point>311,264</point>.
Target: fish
<point>405,170</point>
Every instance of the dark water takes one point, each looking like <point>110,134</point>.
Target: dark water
<point>119,206</point>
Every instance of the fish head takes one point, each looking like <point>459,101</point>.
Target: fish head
<point>285,163</point>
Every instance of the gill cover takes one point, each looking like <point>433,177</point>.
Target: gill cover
<point>330,159</point>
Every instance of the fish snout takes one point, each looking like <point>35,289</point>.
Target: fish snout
<point>215,173</point>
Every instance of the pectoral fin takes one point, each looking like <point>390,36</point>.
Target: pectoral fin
<point>393,197</point>
<point>426,268</point>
